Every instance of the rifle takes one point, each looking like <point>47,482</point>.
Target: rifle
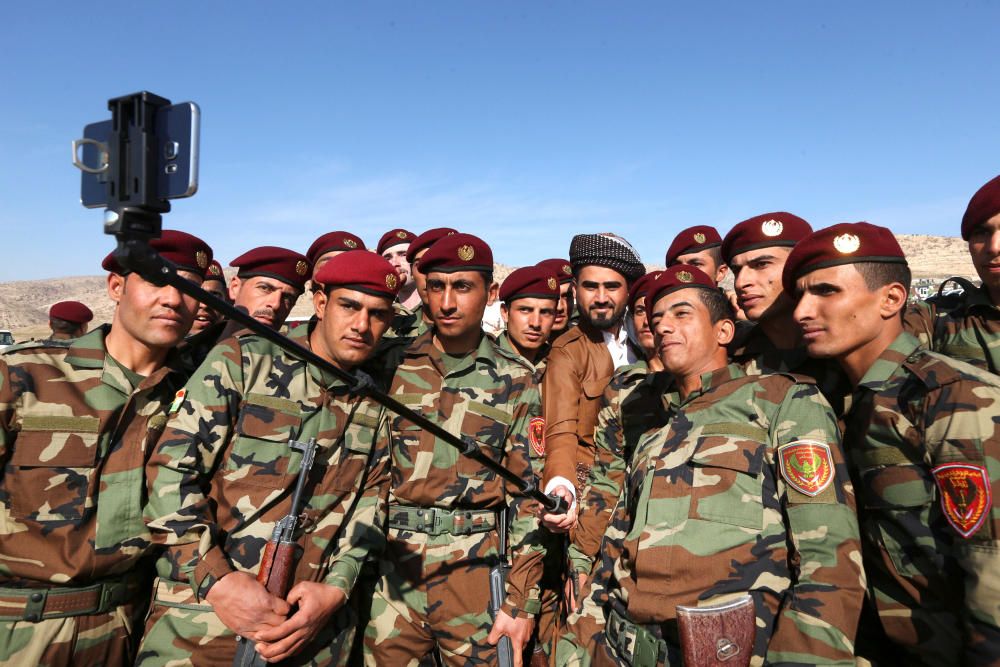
<point>280,554</point>
<point>498,591</point>
<point>133,217</point>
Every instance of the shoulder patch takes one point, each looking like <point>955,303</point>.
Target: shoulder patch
<point>536,435</point>
<point>807,466</point>
<point>178,401</point>
<point>966,496</point>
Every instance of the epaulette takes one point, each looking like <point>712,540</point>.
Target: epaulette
<point>36,344</point>
<point>936,370</point>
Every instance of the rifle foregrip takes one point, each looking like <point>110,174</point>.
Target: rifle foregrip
<point>282,566</point>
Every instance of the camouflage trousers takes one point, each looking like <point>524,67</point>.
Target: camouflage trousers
<point>548,622</point>
<point>181,632</point>
<point>432,594</point>
<point>94,640</point>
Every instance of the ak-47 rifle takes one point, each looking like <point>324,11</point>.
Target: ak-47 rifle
<point>498,590</point>
<point>131,167</point>
<point>280,554</point>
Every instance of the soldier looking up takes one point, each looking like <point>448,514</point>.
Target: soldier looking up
<point>222,474</point>
<point>744,491</point>
<point>76,422</point>
<point>923,448</point>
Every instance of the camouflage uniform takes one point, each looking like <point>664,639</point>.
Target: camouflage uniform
<point>75,428</point>
<point>407,323</point>
<point>924,452</point>
<point>433,587</point>
<point>222,475</point>
<point>708,513</point>
<point>965,326</point>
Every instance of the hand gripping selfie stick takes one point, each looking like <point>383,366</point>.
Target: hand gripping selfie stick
<point>134,217</point>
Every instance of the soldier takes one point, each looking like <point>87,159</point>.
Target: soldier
<point>409,325</point>
<point>700,247</point>
<point>527,306</point>
<point>328,246</point>
<point>68,319</point>
<point>566,310</point>
<point>529,296</point>
<point>580,365</point>
<point>75,421</point>
<point>222,475</point>
<point>966,325</point>
<point>923,449</point>
<point>744,491</point>
<point>433,591</point>
<point>214,283</point>
<point>268,283</point>
<point>393,247</point>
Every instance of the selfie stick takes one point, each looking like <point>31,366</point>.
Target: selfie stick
<point>134,216</point>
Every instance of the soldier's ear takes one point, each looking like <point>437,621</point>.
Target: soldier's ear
<point>234,288</point>
<point>725,329</point>
<point>504,312</point>
<point>720,273</point>
<point>319,303</point>
<point>893,300</point>
<point>116,287</point>
<point>492,293</point>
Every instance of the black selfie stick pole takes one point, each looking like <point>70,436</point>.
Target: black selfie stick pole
<point>134,217</point>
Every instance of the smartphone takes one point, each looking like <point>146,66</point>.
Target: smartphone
<point>178,128</point>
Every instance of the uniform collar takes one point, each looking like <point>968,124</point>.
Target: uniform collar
<point>301,335</point>
<point>889,361</point>
<point>424,346</point>
<point>503,342</point>
<point>709,381</point>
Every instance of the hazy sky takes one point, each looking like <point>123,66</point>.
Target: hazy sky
<point>522,122</point>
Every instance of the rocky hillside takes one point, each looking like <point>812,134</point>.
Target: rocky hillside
<point>24,304</point>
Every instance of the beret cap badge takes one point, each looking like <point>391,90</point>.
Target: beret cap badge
<point>201,258</point>
<point>401,234</point>
<point>846,243</point>
<point>350,243</point>
<point>466,253</point>
<point>771,228</point>
<point>684,276</point>
<point>552,282</point>
<point>390,281</point>
<point>301,267</point>
<point>214,270</point>
<point>567,269</point>
<point>699,238</point>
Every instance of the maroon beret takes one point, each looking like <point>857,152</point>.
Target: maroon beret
<point>846,243</point>
<point>426,240</point>
<point>363,271</point>
<point>331,242</point>
<point>214,272</point>
<point>693,239</point>
<point>394,237</point>
<point>764,231</point>
<point>281,264</point>
<point>638,289</point>
<point>676,277</point>
<point>530,281</point>
<point>457,252</point>
<point>983,206</point>
<point>561,267</point>
<point>186,251</point>
<point>71,311</point>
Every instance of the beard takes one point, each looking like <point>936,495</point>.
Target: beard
<point>603,322</point>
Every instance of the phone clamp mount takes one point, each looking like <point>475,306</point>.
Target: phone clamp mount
<point>134,216</point>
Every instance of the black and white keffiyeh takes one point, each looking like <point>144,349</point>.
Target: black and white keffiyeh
<point>608,250</point>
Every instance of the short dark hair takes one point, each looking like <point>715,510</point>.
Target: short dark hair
<point>880,274</point>
<point>718,305</point>
<point>59,325</point>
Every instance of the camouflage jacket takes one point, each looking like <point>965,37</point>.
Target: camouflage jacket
<point>964,326</point>
<point>74,436</point>
<point>632,405</point>
<point>924,448</point>
<point>745,491</point>
<point>756,354</point>
<point>537,449</point>
<point>407,323</point>
<point>490,395</point>
<point>223,472</point>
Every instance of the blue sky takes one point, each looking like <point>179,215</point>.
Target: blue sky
<point>522,122</point>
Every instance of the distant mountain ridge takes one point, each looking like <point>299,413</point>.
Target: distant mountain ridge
<point>24,305</point>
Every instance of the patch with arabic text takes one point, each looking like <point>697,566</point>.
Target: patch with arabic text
<point>807,466</point>
<point>966,496</point>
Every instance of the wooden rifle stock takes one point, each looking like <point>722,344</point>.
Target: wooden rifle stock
<point>277,567</point>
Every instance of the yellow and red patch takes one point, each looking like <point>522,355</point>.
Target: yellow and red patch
<point>966,496</point>
<point>807,466</point>
<point>536,435</point>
